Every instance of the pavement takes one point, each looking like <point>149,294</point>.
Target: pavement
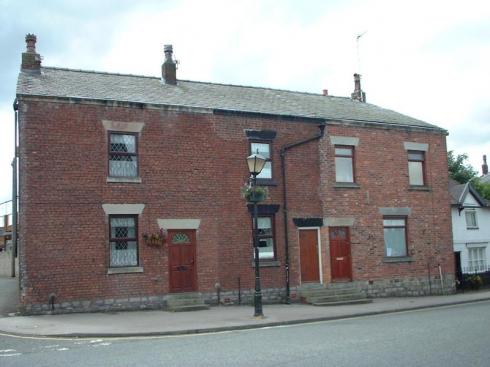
<point>216,319</point>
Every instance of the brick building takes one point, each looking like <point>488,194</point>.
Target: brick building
<point>110,164</point>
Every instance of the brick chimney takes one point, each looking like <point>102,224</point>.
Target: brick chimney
<point>358,94</point>
<point>484,166</point>
<point>169,67</point>
<point>325,92</point>
<point>31,61</point>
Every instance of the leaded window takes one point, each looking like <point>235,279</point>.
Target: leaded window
<point>123,241</point>
<point>123,155</point>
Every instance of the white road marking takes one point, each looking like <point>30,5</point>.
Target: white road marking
<point>62,349</point>
<point>6,350</point>
<point>10,355</point>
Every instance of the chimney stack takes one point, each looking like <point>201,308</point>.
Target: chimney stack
<point>169,68</point>
<point>358,94</point>
<point>31,61</point>
<point>484,167</point>
<point>325,92</point>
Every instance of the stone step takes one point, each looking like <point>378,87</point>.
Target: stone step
<point>185,308</point>
<point>346,302</point>
<point>339,291</point>
<point>335,298</point>
<point>186,302</point>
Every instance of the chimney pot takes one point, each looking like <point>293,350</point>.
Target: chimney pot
<point>31,61</point>
<point>169,68</point>
<point>325,92</point>
<point>484,166</point>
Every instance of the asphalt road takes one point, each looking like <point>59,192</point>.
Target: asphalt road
<point>449,336</point>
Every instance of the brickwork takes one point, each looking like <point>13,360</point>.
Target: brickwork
<point>192,165</point>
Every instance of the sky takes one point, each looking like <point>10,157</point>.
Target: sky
<point>427,59</point>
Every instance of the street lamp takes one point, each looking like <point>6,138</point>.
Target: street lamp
<point>255,164</point>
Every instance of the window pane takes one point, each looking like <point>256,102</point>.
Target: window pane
<point>260,148</point>
<point>123,228</point>
<point>415,173</point>
<point>123,166</point>
<point>343,151</point>
<point>264,226</point>
<point>343,170</point>
<point>123,143</point>
<point>394,222</point>
<point>266,248</point>
<point>266,171</point>
<point>395,244</point>
<point>124,253</point>
<point>415,156</point>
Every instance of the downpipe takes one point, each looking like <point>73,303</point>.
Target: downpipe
<point>284,150</point>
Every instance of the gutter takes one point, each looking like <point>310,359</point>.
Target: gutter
<point>284,150</point>
<point>14,191</point>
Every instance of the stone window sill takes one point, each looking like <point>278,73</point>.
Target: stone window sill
<point>346,185</point>
<point>125,270</point>
<point>124,179</point>
<point>266,182</point>
<point>419,188</point>
<point>267,264</point>
<point>398,259</point>
<point>472,228</point>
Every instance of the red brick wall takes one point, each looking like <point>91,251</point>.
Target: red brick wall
<point>193,166</point>
<point>382,173</point>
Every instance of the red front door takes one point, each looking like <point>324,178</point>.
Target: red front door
<point>308,252</point>
<point>340,257</point>
<point>182,260</point>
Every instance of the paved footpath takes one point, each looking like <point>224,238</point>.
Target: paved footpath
<point>222,318</point>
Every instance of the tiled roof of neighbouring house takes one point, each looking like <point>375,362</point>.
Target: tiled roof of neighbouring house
<point>67,83</point>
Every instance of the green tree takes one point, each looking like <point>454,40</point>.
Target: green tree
<point>459,169</point>
<point>482,188</point>
<point>463,172</point>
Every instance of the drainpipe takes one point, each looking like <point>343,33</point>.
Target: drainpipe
<point>284,149</point>
<point>14,192</point>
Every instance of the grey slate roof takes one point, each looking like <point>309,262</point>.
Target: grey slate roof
<point>459,191</point>
<point>56,82</point>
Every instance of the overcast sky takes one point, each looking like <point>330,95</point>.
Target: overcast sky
<point>426,59</point>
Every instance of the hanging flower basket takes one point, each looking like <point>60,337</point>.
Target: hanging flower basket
<point>155,239</point>
<point>254,196</point>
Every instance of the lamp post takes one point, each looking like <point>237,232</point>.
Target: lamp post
<point>255,164</point>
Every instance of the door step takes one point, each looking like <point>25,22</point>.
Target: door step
<point>345,294</point>
<point>181,302</point>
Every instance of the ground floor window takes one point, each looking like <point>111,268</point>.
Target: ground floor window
<point>123,241</point>
<point>477,260</point>
<point>265,225</point>
<point>395,235</point>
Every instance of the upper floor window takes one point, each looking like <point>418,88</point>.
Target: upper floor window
<point>471,222</point>
<point>416,167</point>
<point>395,235</point>
<point>264,149</point>
<point>123,240</point>
<point>344,163</point>
<point>123,155</point>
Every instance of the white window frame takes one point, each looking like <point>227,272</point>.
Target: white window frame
<point>477,263</point>
<point>475,217</point>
